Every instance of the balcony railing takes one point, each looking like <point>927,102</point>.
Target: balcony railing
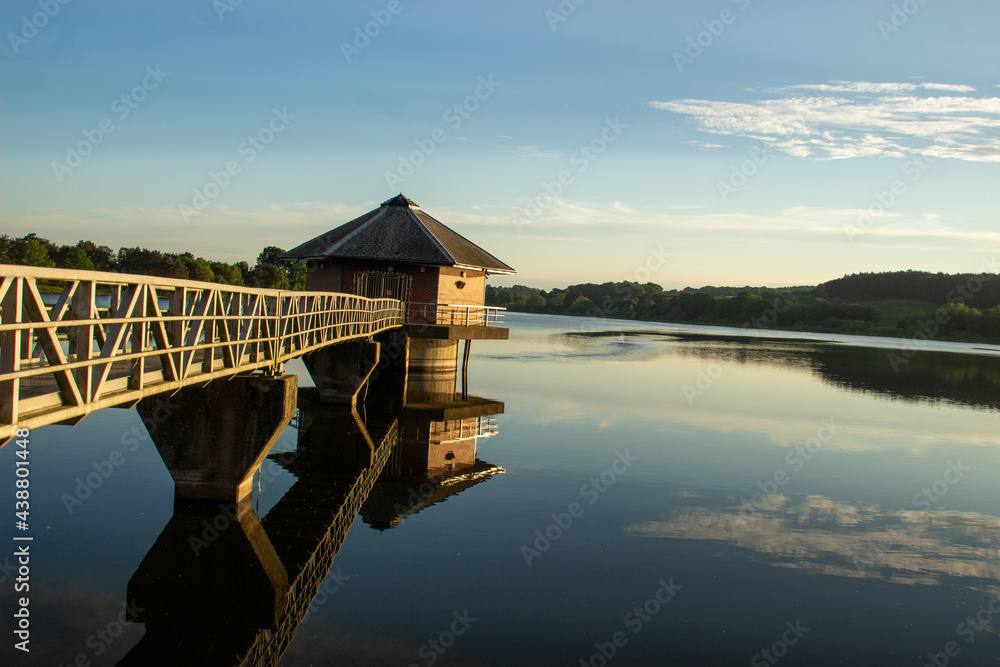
<point>463,429</point>
<point>454,314</point>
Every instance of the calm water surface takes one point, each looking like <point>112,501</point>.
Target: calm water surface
<point>669,498</point>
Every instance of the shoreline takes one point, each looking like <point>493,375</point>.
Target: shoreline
<point>691,331</point>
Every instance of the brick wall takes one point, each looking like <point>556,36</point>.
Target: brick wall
<point>324,277</point>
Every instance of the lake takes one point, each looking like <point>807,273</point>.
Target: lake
<point>652,495</point>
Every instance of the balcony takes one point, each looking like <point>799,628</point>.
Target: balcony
<point>454,315</point>
<point>455,321</point>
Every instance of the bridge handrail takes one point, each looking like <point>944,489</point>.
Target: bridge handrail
<point>110,278</point>
<point>205,331</point>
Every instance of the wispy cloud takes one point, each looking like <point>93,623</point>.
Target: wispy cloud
<point>897,229</point>
<point>843,119</point>
<point>821,535</point>
<point>532,150</point>
<point>875,88</point>
<point>213,231</point>
<point>619,206</point>
<point>705,144</point>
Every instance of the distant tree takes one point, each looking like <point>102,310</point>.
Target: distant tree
<point>268,276</point>
<point>150,262</point>
<point>295,273</point>
<point>31,250</point>
<point>101,256</point>
<point>227,274</point>
<point>535,303</point>
<point>6,243</point>
<point>244,269</point>
<point>269,256</point>
<point>73,257</point>
<point>197,268</point>
<point>581,306</point>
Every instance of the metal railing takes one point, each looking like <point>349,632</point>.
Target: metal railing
<point>463,429</point>
<point>269,645</point>
<point>454,314</point>
<point>62,361</point>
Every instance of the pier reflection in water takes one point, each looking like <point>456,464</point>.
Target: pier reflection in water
<point>222,586</point>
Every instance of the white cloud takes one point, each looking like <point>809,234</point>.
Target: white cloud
<point>868,226</point>
<point>706,144</point>
<point>876,88</point>
<point>823,536</point>
<point>532,150</point>
<point>238,233</point>
<point>619,206</point>
<point>842,119</point>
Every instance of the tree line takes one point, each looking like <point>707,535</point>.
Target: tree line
<point>968,306</point>
<point>973,290</point>
<point>267,272</point>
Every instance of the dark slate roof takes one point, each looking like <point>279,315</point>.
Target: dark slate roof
<point>398,231</point>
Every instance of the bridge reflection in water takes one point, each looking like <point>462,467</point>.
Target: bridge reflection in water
<point>222,586</point>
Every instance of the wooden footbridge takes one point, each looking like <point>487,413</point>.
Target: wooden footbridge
<point>72,342</point>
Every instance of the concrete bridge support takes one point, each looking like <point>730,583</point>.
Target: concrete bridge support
<point>433,370</point>
<point>341,371</point>
<point>215,437</point>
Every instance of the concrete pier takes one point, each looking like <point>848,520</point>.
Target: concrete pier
<point>341,371</point>
<point>215,437</point>
<point>433,370</point>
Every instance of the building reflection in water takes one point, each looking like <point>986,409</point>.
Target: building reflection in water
<point>221,586</point>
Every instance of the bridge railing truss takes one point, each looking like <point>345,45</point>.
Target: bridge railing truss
<point>72,342</point>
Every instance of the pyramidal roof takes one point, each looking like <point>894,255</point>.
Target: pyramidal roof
<point>398,231</point>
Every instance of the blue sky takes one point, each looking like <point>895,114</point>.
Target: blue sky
<point>718,142</point>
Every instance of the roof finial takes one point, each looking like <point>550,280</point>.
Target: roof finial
<point>399,200</point>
